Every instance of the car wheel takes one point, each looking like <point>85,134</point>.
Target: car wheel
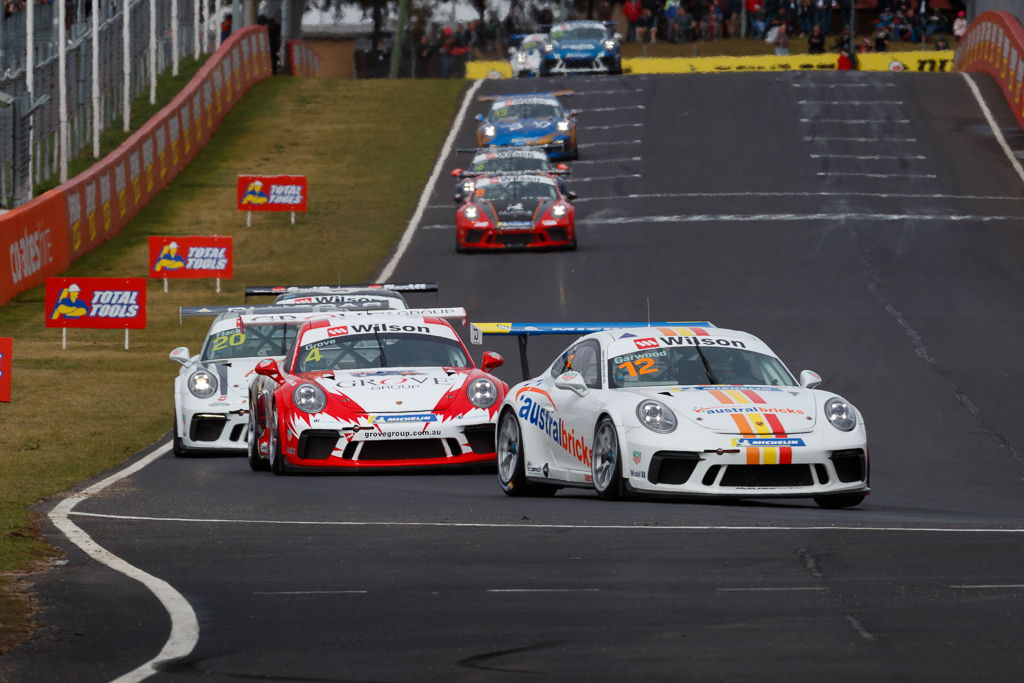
<point>572,245</point>
<point>179,450</point>
<point>606,461</point>
<point>844,500</point>
<point>256,463</point>
<point>277,465</point>
<point>512,461</point>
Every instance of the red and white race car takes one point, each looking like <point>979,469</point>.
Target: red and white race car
<point>381,390</point>
<point>525,211</point>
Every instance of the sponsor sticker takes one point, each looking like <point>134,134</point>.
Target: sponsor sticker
<point>768,442</point>
<point>637,474</point>
<point>637,455</point>
<point>399,419</point>
<point>646,343</point>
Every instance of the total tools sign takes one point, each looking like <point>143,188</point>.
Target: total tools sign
<point>190,257</point>
<point>42,238</point>
<point>96,302</point>
<point>272,193</point>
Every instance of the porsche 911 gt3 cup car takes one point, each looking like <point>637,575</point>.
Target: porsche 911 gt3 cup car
<point>388,294</point>
<point>536,120</point>
<point>687,409</point>
<point>581,47</point>
<point>506,160</point>
<point>381,391</point>
<point>516,212</point>
<point>525,57</point>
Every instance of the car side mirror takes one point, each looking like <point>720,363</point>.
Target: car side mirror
<point>268,368</point>
<point>180,355</point>
<point>570,196</point>
<point>562,167</point>
<point>572,381</point>
<point>480,118</point>
<point>574,112</point>
<point>491,360</point>
<point>457,198</point>
<point>617,36</point>
<point>456,172</point>
<point>809,379</point>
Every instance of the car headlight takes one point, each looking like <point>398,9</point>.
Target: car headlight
<point>309,398</point>
<point>563,126</point>
<point>548,47</point>
<point>471,213</point>
<point>489,131</point>
<point>841,414</point>
<point>202,384</point>
<point>468,186</point>
<point>656,416</point>
<point>482,393</point>
<point>609,45</point>
<point>558,210</point>
<point>521,58</point>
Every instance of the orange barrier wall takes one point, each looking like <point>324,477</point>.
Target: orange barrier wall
<point>994,44</point>
<point>42,238</point>
<point>303,59</point>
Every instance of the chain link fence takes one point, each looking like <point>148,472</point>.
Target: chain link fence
<point>30,123</point>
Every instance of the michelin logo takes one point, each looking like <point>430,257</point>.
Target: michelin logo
<point>384,419</point>
<point>770,443</point>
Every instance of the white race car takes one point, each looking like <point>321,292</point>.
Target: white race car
<point>676,408</point>
<point>211,399</point>
<point>387,295</point>
<point>525,58</point>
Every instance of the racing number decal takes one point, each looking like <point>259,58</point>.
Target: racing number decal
<point>221,343</point>
<point>640,366</point>
<point>313,355</point>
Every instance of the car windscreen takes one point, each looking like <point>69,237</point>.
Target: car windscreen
<point>526,110</point>
<point>532,44</point>
<point>380,350</point>
<point>514,190</point>
<point>692,365</point>
<point>251,341</point>
<point>582,33</point>
<point>511,163</point>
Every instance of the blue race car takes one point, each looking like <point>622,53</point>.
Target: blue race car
<point>535,120</point>
<point>581,47</point>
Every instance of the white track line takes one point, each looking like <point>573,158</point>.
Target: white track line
<point>586,145</point>
<point>184,625</point>
<point>606,161</point>
<point>877,175</point>
<point>311,592</point>
<point>855,121</point>
<point>867,157</point>
<point>992,124</point>
<point>793,217</point>
<point>615,127</point>
<point>990,586</point>
<point>841,139</point>
<point>428,189</point>
<point>625,106</point>
<point>600,527</point>
<point>879,195</point>
<point>606,177</point>
<point>849,102</point>
<point>767,590</point>
<point>843,85</point>
<point>543,590</point>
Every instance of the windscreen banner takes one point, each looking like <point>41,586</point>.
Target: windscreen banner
<point>6,349</point>
<point>190,257</point>
<point>272,193</point>
<point>96,302</point>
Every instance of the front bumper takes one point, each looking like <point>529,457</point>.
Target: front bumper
<point>819,467</point>
<point>495,239</point>
<point>214,426</point>
<point>599,64</point>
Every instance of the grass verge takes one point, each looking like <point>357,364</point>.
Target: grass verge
<point>366,147</point>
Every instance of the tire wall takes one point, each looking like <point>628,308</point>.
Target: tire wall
<point>44,236</point>
<point>303,59</point>
<point>994,44</point>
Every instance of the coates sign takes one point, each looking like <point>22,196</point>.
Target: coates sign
<point>190,257</point>
<point>272,193</point>
<point>6,349</point>
<point>99,302</point>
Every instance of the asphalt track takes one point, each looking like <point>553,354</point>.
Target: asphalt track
<point>866,225</point>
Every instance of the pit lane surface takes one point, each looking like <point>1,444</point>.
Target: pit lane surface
<point>864,225</point>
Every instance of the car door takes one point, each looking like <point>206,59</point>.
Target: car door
<point>578,413</point>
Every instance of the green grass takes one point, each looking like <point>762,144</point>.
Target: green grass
<point>366,147</point>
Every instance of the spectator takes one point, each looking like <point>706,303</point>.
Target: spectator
<point>805,12</point>
<point>647,26</point>
<point>756,16</point>
<point>816,41</point>
<point>823,13</point>
<point>941,44</point>
<point>881,39</point>
<point>959,26</point>
<point>225,27</point>
<point>425,57</point>
<point>843,42</point>
<point>632,9</point>
<point>781,40</point>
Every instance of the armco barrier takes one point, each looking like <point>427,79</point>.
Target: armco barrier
<point>303,59</point>
<point>42,237</point>
<point>994,44</point>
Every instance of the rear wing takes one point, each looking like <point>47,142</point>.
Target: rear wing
<point>274,290</point>
<point>477,174</point>
<point>450,313</point>
<point>509,96</point>
<point>477,332</point>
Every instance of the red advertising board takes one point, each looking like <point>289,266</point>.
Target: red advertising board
<point>272,193</point>
<point>96,302</point>
<point>6,349</point>
<point>190,257</point>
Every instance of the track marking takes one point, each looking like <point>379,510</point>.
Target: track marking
<point>428,189</point>
<point>792,588</point>
<point>615,127</point>
<point>184,624</point>
<point>848,102</point>
<point>843,85</point>
<point>599,527</point>
<point>879,195</point>
<point>859,628</point>
<point>990,586</point>
<point>311,592</point>
<point>877,175</point>
<point>855,121</point>
<point>789,217</point>
<point>607,177</point>
<point>543,590</point>
<point>992,124</point>
<point>580,93</point>
<point>625,106</point>
<point>855,139</point>
<point>611,142</point>
<point>607,161</point>
<point>868,157</point>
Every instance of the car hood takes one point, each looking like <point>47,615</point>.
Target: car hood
<point>526,127</point>
<point>741,409</point>
<point>516,210</point>
<point>396,390</point>
<point>583,48</point>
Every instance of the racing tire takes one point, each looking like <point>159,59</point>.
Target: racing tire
<point>179,450</point>
<point>843,500</point>
<point>606,461</point>
<point>512,463</point>
<point>277,465</point>
<point>572,245</point>
<point>256,463</point>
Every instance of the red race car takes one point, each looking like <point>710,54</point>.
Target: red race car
<point>379,390</point>
<point>525,211</point>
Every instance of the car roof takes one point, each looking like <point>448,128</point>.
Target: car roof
<point>503,153</point>
<point>525,99</point>
<point>505,177</point>
<point>607,337</point>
